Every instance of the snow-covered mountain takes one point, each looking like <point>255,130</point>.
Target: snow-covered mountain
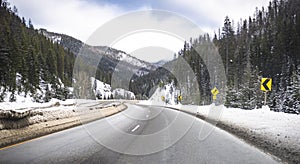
<point>120,93</point>
<point>166,95</point>
<point>124,57</point>
<point>160,63</point>
<point>101,89</point>
<point>109,56</point>
<point>66,41</point>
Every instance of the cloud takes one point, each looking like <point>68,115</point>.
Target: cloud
<point>81,18</point>
<point>149,30</point>
<point>210,14</point>
<point>77,18</point>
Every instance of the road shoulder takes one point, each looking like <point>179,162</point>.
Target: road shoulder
<point>274,142</point>
<point>38,126</point>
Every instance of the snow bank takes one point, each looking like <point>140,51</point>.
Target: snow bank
<point>120,93</point>
<point>274,132</point>
<point>279,125</point>
<point>27,104</point>
<point>15,117</point>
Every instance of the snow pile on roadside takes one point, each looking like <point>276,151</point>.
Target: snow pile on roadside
<point>17,115</point>
<point>14,115</point>
<point>275,132</point>
<point>28,105</point>
<point>279,125</point>
<point>13,118</point>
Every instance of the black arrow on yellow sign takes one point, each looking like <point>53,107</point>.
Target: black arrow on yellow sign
<point>265,84</point>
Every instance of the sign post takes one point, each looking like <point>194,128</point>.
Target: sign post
<point>265,103</point>
<point>266,86</point>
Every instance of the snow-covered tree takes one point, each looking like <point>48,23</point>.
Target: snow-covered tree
<point>291,102</point>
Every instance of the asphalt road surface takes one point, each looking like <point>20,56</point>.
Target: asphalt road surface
<point>139,134</point>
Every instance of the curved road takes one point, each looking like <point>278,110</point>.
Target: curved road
<point>139,134</point>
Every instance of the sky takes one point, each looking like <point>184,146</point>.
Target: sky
<point>81,18</point>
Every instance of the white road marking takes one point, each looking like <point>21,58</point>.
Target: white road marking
<point>134,129</point>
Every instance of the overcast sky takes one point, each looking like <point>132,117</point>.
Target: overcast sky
<point>80,18</point>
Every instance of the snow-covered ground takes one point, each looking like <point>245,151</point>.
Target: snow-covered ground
<point>103,91</point>
<point>27,104</point>
<point>166,95</point>
<point>15,115</point>
<point>275,132</point>
<point>120,93</point>
<point>279,125</point>
<point>46,120</point>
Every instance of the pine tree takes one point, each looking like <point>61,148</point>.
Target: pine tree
<point>48,94</point>
<point>30,55</point>
<point>233,98</point>
<point>291,103</point>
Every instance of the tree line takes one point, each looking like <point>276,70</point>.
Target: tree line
<point>265,45</point>
<point>29,61</point>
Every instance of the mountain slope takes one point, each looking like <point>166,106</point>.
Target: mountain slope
<point>110,57</point>
<point>30,64</point>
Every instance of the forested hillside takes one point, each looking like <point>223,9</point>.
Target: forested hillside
<point>30,63</point>
<point>38,64</point>
<point>266,45</point>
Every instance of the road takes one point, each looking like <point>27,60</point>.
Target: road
<point>139,134</point>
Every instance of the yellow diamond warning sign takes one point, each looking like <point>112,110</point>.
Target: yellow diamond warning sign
<point>215,91</point>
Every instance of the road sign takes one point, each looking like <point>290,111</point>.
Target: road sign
<point>179,98</point>
<point>163,98</point>
<point>215,91</point>
<point>214,97</point>
<point>266,84</point>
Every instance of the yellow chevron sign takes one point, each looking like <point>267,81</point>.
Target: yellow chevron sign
<point>266,84</point>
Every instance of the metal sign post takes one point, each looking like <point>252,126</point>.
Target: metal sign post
<point>265,103</point>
